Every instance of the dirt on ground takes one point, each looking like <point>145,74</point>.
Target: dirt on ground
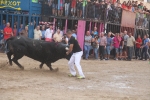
<point>105,80</point>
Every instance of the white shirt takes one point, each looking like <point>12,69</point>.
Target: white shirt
<point>37,34</point>
<point>61,32</point>
<point>49,33</point>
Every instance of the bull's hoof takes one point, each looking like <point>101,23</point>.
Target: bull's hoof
<point>40,67</point>
<point>22,68</point>
<point>10,63</point>
<point>55,70</point>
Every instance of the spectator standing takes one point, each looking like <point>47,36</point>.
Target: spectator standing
<point>124,5</point>
<point>37,33</point>
<point>8,32</point>
<point>94,7</point>
<point>87,44</point>
<point>24,32</point>
<point>130,46</point>
<point>73,7</point>
<point>138,47</point>
<point>21,28</point>
<point>103,6</point>
<point>90,11</point>
<point>15,30</point>
<point>94,32</point>
<point>1,35</point>
<point>57,36</point>
<point>60,7</point>
<point>108,46</point>
<point>84,4</point>
<point>79,8</point>
<point>74,34</point>
<point>4,24</point>
<point>125,37</point>
<point>48,34</point>
<point>121,46</point>
<point>55,6</point>
<point>95,45</point>
<point>148,50</point>
<point>97,9</point>
<point>65,39</point>
<point>144,48</point>
<point>1,39</point>
<point>116,42</point>
<point>43,32</point>
<point>67,5</point>
<point>102,46</point>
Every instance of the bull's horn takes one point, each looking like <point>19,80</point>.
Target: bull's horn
<point>67,48</point>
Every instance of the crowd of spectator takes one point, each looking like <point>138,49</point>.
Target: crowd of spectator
<point>96,9</point>
<point>102,44</point>
<point>124,45</point>
<point>46,33</point>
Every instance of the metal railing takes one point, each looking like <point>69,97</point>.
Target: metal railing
<point>142,20</point>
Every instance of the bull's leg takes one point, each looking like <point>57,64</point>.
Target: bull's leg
<point>9,54</point>
<point>17,63</point>
<point>50,67</point>
<point>15,60</point>
<point>41,65</point>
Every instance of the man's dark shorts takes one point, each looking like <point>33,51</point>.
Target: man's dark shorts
<point>124,48</point>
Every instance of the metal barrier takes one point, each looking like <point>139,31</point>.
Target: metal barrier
<point>142,20</point>
<point>19,19</point>
<point>113,14</point>
<point>112,28</point>
<point>26,12</point>
<point>128,29</point>
<point>141,32</point>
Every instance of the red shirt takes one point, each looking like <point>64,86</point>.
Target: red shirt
<point>73,4</point>
<point>114,1</point>
<point>9,32</point>
<point>15,32</point>
<point>124,6</point>
<point>137,44</point>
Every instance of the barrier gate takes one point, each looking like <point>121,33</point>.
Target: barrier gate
<point>26,12</point>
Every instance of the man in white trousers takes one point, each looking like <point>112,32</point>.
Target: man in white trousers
<point>76,56</point>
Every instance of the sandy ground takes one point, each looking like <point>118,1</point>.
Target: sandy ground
<point>105,80</point>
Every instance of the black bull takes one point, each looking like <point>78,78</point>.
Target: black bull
<point>42,51</point>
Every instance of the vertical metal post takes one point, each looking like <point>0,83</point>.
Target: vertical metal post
<point>23,20</point>
<point>12,21</point>
<point>18,23</point>
<point>72,25</point>
<point>6,18</point>
<point>1,19</point>
<point>36,19</point>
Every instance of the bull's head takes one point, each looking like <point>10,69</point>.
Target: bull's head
<point>61,50</point>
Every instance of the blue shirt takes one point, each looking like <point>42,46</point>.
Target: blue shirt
<point>109,41</point>
<point>95,33</point>
<point>2,26</point>
<point>74,35</point>
<point>1,36</point>
<point>146,41</point>
<point>43,33</point>
<point>20,30</point>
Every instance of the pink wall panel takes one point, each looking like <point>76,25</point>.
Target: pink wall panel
<point>81,32</point>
